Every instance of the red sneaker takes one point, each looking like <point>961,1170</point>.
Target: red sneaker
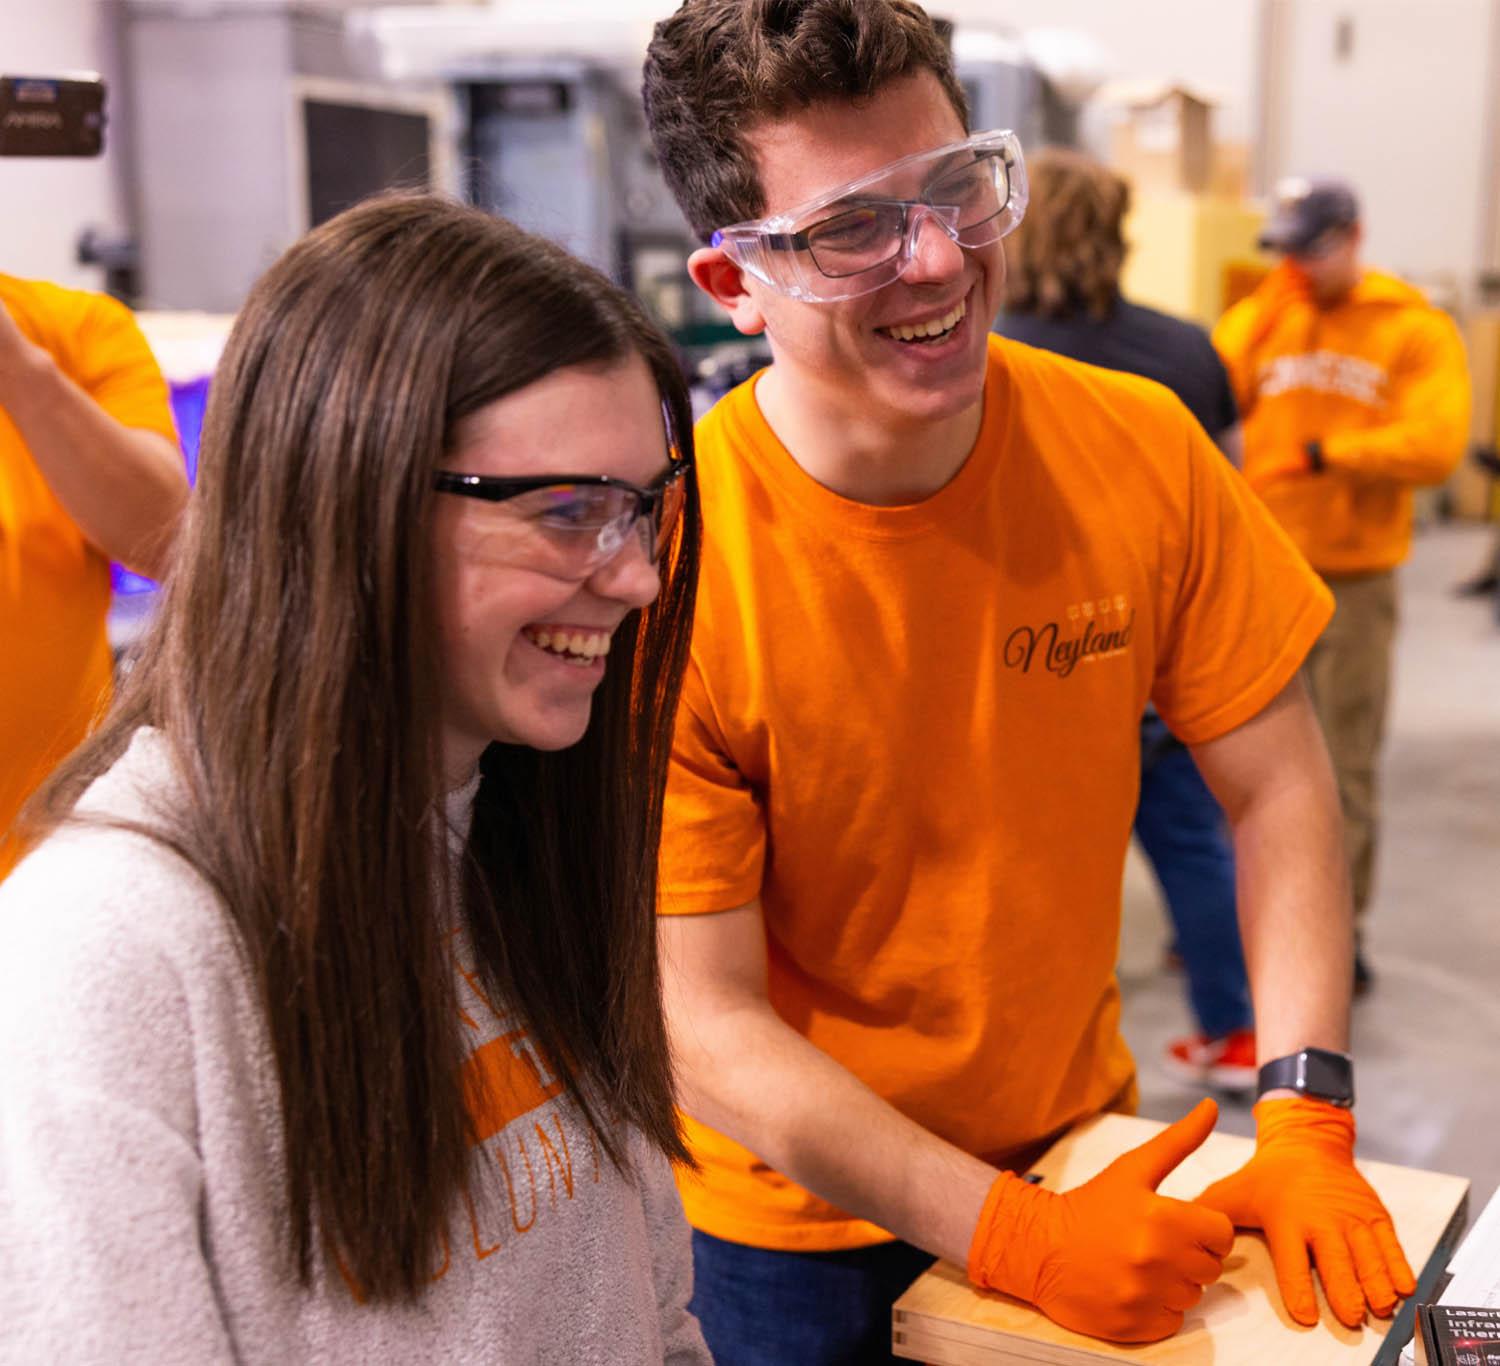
<point>1225,1064</point>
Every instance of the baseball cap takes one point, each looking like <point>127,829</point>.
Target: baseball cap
<point>1305,210</point>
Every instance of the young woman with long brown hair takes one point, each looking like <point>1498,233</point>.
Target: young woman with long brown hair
<point>330,1024</point>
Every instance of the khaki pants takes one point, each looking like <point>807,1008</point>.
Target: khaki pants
<point>1348,673</point>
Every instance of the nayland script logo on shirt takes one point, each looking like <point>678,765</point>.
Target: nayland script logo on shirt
<point>1084,632</point>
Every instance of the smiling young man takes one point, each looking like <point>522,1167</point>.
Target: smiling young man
<point>943,574</point>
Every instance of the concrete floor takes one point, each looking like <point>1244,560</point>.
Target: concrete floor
<point>1427,1038</point>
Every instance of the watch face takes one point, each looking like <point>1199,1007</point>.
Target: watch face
<point>1327,1075</point>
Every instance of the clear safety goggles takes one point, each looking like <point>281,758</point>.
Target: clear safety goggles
<point>861,236</point>
<point>566,526</point>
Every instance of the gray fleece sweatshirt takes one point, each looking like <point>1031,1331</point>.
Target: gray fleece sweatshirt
<point>142,1208</point>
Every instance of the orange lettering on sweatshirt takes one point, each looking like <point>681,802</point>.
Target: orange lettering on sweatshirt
<point>505,1079</point>
<point>563,1160</point>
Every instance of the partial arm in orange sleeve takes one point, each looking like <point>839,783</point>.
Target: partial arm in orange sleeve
<point>125,487</point>
<point>1112,1259</point>
<point>1429,427</point>
<point>1273,777</point>
<point>1238,334</point>
<point>1231,338</point>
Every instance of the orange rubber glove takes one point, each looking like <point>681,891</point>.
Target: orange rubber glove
<point>1112,1258</point>
<point>1302,1188</point>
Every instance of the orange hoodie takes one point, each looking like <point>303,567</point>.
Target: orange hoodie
<point>1379,379</point>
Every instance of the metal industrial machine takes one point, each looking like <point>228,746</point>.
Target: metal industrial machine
<point>253,123</point>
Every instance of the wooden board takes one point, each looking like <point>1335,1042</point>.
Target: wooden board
<point>1240,1321</point>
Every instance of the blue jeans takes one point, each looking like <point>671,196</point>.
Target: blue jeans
<point>1181,828</point>
<point>764,1308</point>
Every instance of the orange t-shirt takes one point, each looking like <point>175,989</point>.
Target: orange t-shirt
<point>913,732</point>
<point>54,584</point>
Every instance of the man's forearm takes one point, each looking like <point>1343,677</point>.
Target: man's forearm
<point>1295,916</point>
<point>1420,452</point>
<point>1274,780</point>
<point>124,488</point>
<point>750,1075</point>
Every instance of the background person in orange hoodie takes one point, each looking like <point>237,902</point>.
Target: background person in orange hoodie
<point>1353,390</point>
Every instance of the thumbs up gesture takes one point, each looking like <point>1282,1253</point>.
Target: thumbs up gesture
<point>1112,1258</point>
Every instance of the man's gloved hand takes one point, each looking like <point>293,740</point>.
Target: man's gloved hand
<point>1302,1188</point>
<point>1112,1258</point>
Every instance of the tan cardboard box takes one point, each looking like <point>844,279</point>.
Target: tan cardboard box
<point>1188,253</point>
<point>1162,137</point>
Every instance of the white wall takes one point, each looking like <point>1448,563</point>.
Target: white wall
<point>1404,114</point>
<point>1408,112</point>
<point>1210,43</point>
<point>44,203</point>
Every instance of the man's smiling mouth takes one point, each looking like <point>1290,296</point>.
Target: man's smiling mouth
<point>932,330</point>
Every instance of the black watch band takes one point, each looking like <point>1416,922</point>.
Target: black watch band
<point>1317,1072</point>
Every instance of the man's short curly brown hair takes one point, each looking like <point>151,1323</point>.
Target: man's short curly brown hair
<point>1066,257</point>
<point>717,68</point>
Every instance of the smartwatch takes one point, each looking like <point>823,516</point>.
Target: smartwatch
<point>1317,1072</point>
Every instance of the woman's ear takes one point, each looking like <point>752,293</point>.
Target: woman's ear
<point>724,282</point>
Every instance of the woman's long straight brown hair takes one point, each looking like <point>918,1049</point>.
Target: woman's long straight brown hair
<point>292,669</point>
